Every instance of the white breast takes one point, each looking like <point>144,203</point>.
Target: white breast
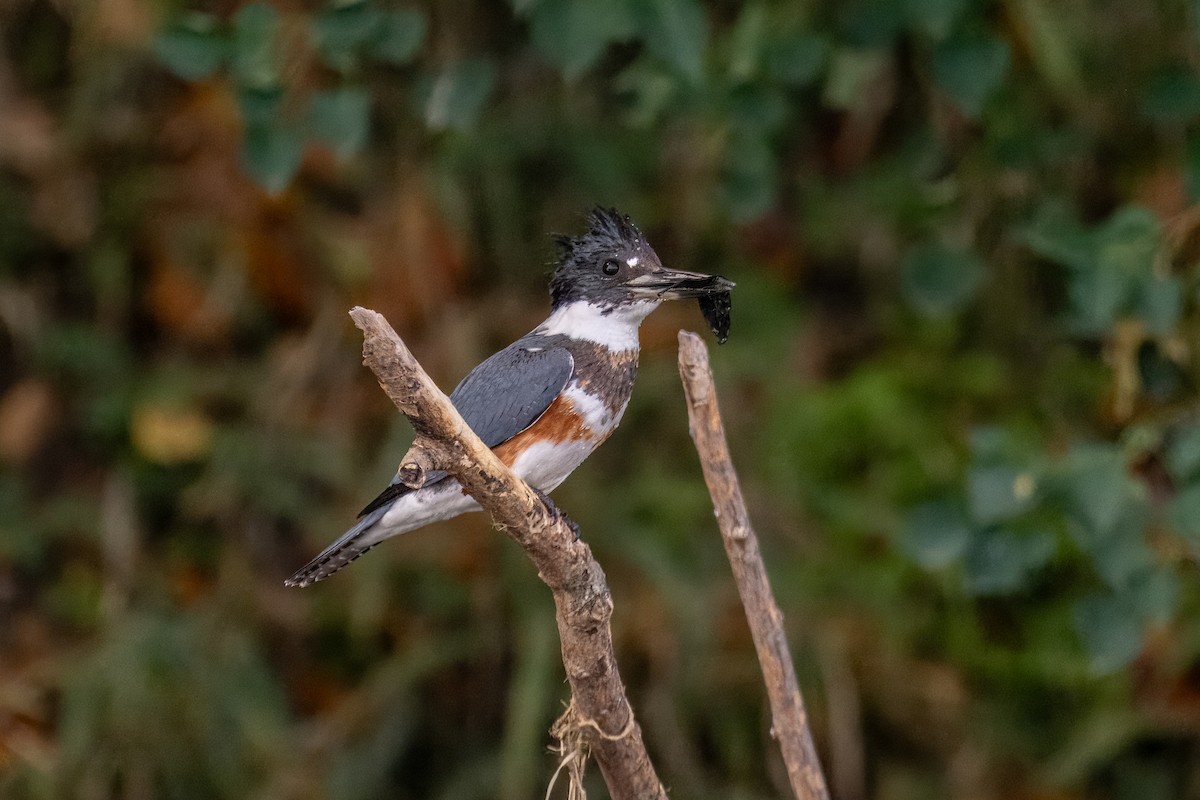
<point>615,328</point>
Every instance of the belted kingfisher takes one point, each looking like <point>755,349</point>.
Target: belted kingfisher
<point>546,401</point>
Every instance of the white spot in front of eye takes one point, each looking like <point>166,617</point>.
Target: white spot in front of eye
<point>633,262</point>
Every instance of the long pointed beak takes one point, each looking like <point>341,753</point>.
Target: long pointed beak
<point>670,284</point>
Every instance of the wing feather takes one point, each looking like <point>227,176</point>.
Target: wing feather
<point>500,398</point>
<point>507,393</point>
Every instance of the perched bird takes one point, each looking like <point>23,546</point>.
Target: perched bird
<point>546,401</point>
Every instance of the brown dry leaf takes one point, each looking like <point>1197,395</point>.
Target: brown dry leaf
<point>1183,237</point>
<point>419,262</point>
<point>208,192</point>
<point>773,242</point>
<point>189,585</point>
<point>122,22</point>
<point>201,138</point>
<point>65,204</point>
<point>194,234</point>
<point>1163,190</point>
<point>320,694</point>
<point>26,418</point>
<point>64,192</point>
<point>278,260</point>
<point>24,738</point>
<point>932,697</point>
<point>28,131</point>
<point>1166,689</point>
<point>170,435</point>
<point>179,303</point>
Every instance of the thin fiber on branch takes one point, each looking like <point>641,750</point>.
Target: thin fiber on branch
<point>789,720</point>
<point>602,716</point>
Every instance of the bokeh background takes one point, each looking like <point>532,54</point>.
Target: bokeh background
<point>961,389</point>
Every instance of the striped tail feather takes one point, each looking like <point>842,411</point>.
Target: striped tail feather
<point>348,547</point>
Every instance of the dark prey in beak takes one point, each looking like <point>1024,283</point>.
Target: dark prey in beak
<point>715,308</point>
<point>713,292</point>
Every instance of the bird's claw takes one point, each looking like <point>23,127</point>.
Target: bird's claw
<point>558,514</point>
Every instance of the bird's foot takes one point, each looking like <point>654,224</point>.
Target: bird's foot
<point>558,513</point>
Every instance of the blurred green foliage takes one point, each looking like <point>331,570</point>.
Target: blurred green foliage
<point>961,388</point>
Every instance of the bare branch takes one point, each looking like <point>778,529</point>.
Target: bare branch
<point>583,604</point>
<point>789,720</point>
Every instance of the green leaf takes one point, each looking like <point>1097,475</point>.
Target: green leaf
<point>748,181</point>
<point>991,444</point>
<point>1191,165</point>
<point>938,281</point>
<point>1183,454</point>
<point>271,154</point>
<point>746,42</point>
<point>341,118</point>
<point>796,60</point>
<point>1000,561</point>
<point>1055,236</point>
<point>646,90</point>
<point>934,18</point>
<point>1125,247</point>
<point>22,544</point>
<point>1110,629</point>
<point>1161,375</point>
<point>1160,303</point>
<point>255,27</point>
<point>1172,96</point>
<point>193,47</point>
<point>1154,594</point>
<point>1098,486</point>
<point>971,70</point>
<point>574,33</point>
<point>1129,241</point>
<point>260,106</point>
<point>1120,551</point>
<point>870,23</point>
<point>936,534</point>
<point>993,565</point>
<point>675,31</point>
<point>454,97</point>
<point>75,353</point>
<point>342,31</point>
<point>758,110</point>
<point>1184,513</point>
<point>399,36</point>
<point>850,72</point>
<point>1097,298</point>
<point>996,493</point>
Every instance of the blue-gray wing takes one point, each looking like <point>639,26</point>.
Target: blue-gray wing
<point>500,398</point>
<point>507,393</point>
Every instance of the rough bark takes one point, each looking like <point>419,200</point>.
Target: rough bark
<point>602,716</point>
<point>789,720</point>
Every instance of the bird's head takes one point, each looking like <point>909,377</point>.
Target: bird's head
<point>613,266</point>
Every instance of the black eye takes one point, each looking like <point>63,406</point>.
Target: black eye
<point>610,267</point>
